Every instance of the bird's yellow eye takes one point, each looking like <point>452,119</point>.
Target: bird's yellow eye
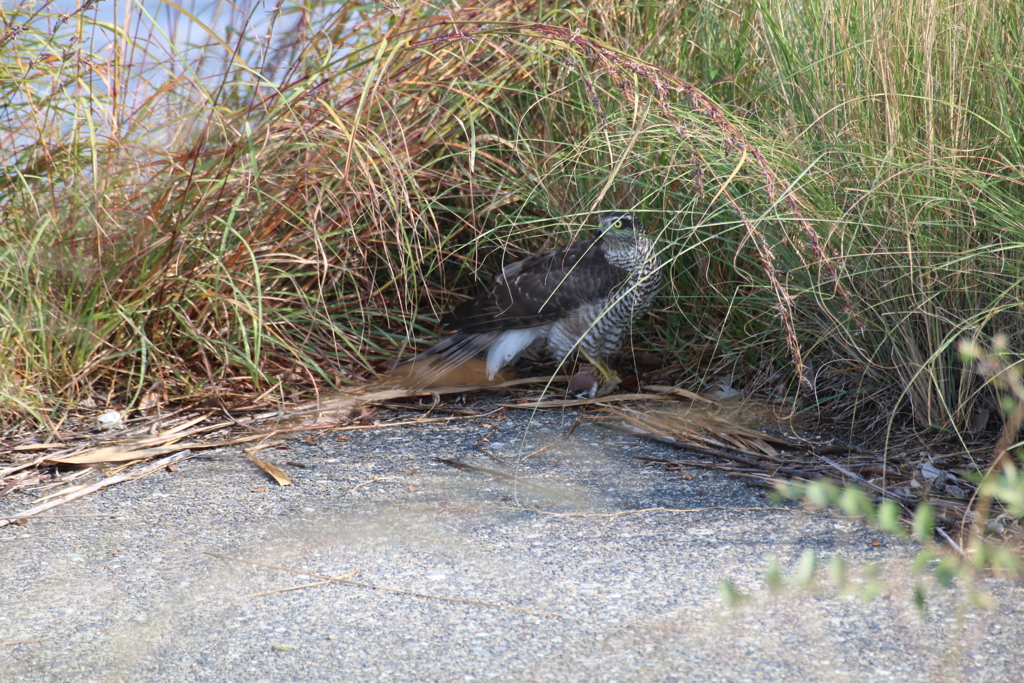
<point>618,223</point>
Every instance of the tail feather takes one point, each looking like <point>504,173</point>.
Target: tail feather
<point>449,354</point>
<point>501,347</point>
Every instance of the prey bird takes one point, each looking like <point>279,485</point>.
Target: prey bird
<point>582,298</point>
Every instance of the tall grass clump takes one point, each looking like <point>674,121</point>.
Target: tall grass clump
<point>910,110</point>
<point>284,199</point>
<point>903,118</point>
<point>284,208</point>
<point>898,123</point>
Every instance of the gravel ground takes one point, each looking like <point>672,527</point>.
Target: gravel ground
<point>590,567</point>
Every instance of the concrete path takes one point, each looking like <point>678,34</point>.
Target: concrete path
<point>575,564</point>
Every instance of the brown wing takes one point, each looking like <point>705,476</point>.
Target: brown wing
<point>540,289</point>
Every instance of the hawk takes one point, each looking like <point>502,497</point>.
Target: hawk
<point>582,298</point>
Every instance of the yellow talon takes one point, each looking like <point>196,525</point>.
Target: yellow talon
<point>610,380</point>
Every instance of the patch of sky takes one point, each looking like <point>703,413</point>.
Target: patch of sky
<point>98,68</point>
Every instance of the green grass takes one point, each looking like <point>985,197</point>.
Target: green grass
<point>836,186</point>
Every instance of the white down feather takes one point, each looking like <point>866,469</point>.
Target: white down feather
<point>510,344</point>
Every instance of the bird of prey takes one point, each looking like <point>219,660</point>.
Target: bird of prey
<point>582,298</point>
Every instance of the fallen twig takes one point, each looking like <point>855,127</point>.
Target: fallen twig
<point>109,481</point>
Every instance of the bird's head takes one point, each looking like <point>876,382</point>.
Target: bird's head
<point>618,221</point>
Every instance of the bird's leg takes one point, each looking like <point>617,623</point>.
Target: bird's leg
<point>609,381</point>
